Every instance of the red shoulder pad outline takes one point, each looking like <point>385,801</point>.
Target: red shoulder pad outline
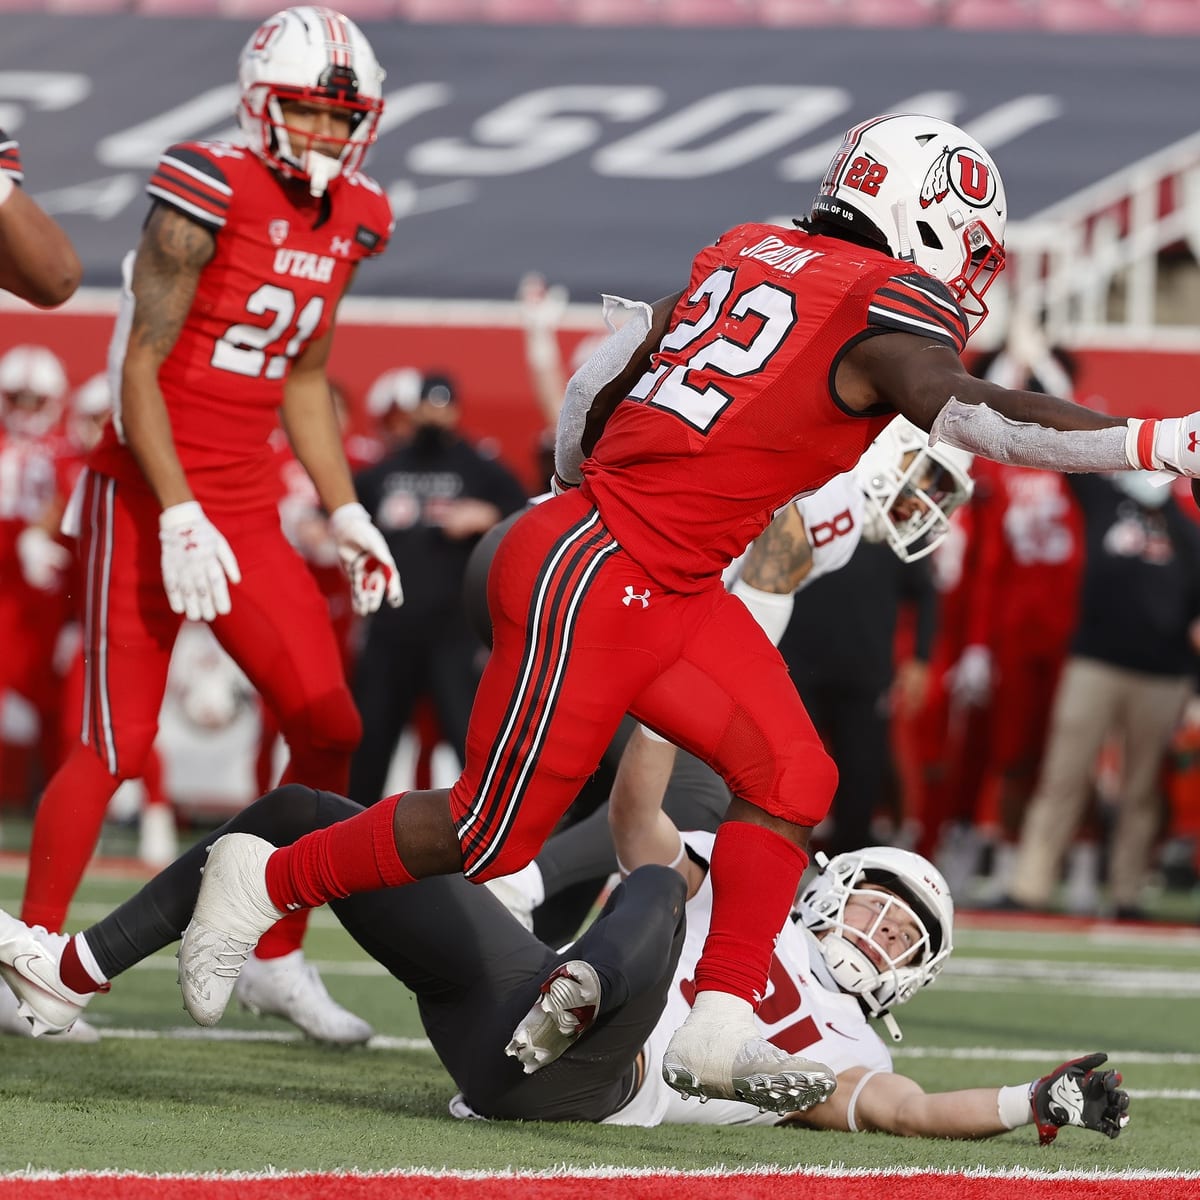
<point>917,303</point>
<point>10,158</point>
<point>189,177</point>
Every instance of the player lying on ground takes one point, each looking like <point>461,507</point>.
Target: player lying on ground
<point>592,1022</point>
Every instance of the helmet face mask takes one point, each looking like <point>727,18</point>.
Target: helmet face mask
<point>911,489</point>
<point>315,58</point>
<point>898,886</point>
<point>929,193</point>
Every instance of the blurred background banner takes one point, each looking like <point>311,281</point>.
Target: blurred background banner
<point>604,157</point>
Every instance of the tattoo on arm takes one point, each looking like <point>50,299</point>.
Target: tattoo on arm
<point>172,253</point>
<point>781,555</point>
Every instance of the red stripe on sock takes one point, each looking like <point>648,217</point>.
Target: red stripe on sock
<point>74,974</point>
<point>754,874</point>
<point>357,855</point>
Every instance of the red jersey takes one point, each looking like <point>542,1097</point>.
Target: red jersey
<point>1028,559</point>
<point>739,413</point>
<point>282,262</point>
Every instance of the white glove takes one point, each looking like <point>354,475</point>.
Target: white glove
<point>43,560</point>
<point>1172,444</point>
<point>366,559</point>
<point>971,677</point>
<point>197,563</point>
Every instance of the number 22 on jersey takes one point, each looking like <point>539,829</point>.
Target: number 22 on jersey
<point>754,324</point>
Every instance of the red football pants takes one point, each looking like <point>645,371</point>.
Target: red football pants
<point>582,634</point>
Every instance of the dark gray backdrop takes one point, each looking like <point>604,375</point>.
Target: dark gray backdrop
<point>652,141</point>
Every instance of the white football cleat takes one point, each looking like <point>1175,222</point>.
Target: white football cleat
<point>29,958</point>
<point>13,1024</point>
<point>508,890</point>
<point>290,988</point>
<point>232,912</point>
<point>569,1002</point>
<point>721,1062</point>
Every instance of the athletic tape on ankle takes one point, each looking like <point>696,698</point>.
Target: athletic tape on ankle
<point>854,1095</point>
<point>1013,1107</point>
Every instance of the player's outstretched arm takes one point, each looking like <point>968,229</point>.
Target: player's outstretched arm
<point>1076,1093</point>
<point>37,261</point>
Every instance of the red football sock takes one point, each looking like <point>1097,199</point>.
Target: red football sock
<point>358,855</point>
<point>284,936</point>
<point>754,874</point>
<point>74,974</point>
<point>65,832</point>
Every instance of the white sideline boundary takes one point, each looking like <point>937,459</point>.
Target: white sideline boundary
<point>832,1171</point>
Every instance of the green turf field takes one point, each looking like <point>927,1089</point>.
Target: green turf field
<point>159,1094</point>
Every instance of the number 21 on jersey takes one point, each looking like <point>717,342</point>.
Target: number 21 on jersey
<point>244,349</point>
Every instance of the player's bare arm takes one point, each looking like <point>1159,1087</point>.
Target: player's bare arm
<point>609,396</point>
<point>172,253</point>
<point>37,261</point>
<point>312,427</point>
<point>917,376</point>
<point>642,832</point>
<point>781,556</point>
<point>890,1103</point>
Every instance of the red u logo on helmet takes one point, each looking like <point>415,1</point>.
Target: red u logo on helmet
<point>974,183</point>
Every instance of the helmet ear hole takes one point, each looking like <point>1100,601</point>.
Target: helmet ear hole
<point>928,236</point>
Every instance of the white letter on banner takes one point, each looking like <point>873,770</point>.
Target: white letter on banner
<point>659,152</point>
<point>526,132</point>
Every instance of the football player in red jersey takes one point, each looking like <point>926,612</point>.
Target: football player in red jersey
<point>773,370</point>
<point>37,261</point>
<point>226,326</point>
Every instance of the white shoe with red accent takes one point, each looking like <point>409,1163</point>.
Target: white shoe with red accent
<point>289,987</point>
<point>569,1002</point>
<point>722,1059</point>
<point>29,958</point>
<point>233,910</point>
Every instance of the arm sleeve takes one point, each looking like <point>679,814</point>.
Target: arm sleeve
<point>190,179</point>
<point>602,366</point>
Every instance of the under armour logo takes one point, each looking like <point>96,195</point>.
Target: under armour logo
<point>341,246</point>
<point>630,596</point>
<point>1192,442</point>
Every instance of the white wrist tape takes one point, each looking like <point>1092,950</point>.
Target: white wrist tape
<point>1171,444</point>
<point>981,430</point>
<point>851,1117</point>
<point>6,186</point>
<point>602,366</point>
<point>627,871</point>
<point>1013,1106</point>
<point>770,609</point>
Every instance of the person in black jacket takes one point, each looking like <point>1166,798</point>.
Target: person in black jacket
<point>433,495</point>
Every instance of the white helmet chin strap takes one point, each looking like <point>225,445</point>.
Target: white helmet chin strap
<point>321,169</point>
<point>904,250</point>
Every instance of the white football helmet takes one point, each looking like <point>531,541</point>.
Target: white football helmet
<point>317,56</point>
<point>915,888</point>
<point>32,386</point>
<point>930,192</point>
<point>912,488</point>
<point>91,407</point>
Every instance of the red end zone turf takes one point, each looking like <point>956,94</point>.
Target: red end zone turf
<point>844,1185</point>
